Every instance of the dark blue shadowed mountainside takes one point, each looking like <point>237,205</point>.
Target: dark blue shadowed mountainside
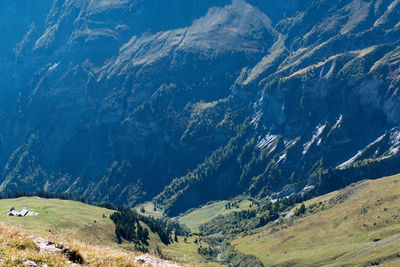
<point>183,102</point>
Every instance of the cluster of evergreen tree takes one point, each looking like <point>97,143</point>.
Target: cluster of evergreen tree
<point>110,206</point>
<point>334,179</point>
<point>128,226</point>
<point>160,228</point>
<point>233,205</point>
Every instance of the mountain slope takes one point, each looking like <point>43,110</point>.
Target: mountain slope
<point>356,226</point>
<point>320,105</point>
<point>183,103</point>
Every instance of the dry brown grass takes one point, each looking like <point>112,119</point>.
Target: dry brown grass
<point>16,247</point>
<point>102,255</point>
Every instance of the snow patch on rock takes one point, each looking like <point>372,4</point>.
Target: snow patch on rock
<point>338,122</point>
<point>282,158</point>
<point>359,153</point>
<point>267,140</point>
<point>319,130</point>
<point>395,142</point>
<point>54,66</point>
<point>256,118</point>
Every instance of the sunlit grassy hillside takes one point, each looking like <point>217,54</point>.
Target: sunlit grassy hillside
<point>356,226</point>
<point>87,227</point>
<point>72,218</point>
<point>196,217</point>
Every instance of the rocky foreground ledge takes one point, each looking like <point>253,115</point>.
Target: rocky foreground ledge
<point>20,248</point>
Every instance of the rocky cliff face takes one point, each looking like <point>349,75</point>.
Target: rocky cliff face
<point>125,101</point>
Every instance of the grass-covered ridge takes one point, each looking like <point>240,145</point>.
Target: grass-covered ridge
<point>87,228</point>
<point>65,217</point>
<point>357,226</point>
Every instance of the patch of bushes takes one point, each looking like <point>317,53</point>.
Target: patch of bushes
<point>300,211</point>
<point>233,258</point>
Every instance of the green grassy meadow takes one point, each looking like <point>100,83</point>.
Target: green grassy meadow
<point>149,210</point>
<point>193,219</point>
<point>187,252</point>
<point>86,223</point>
<point>61,217</point>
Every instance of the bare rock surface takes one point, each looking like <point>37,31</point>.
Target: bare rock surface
<point>47,245</point>
<point>148,261</point>
<point>30,263</point>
